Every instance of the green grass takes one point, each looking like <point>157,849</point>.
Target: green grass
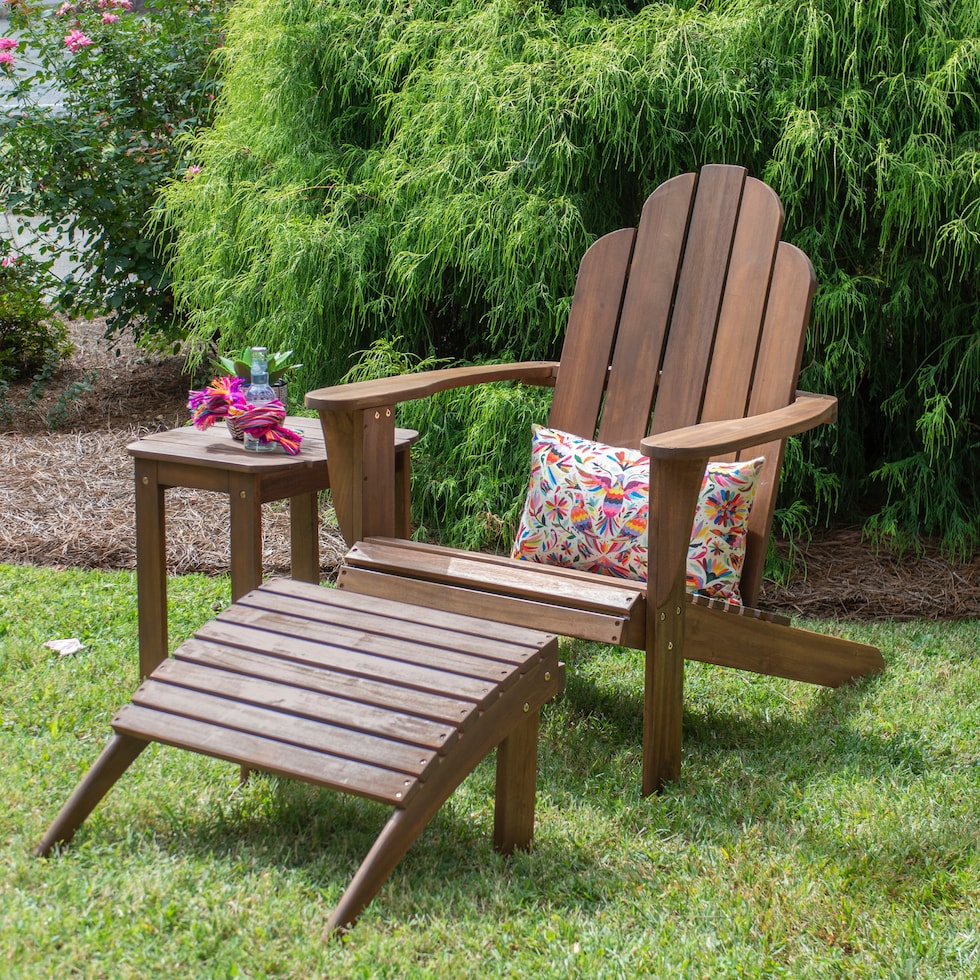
<point>813,833</point>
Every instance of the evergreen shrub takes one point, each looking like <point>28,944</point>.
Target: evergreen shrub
<point>32,339</point>
<point>435,170</point>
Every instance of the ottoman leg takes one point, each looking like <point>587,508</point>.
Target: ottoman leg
<point>517,774</point>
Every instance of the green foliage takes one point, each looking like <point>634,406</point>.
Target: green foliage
<point>470,469</point>
<point>436,170</point>
<point>130,87</point>
<point>32,340</point>
<point>470,464</point>
<point>58,413</point>
<point>240,364</point>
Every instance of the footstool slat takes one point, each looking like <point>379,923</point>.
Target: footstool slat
<point>328,708</point>
<point>410,676</point>
<point>469,663</point>
<point>256,752</point>
<point>365,690</point>
<point>284,727</point>
<point>404,612</point>
<point>493,649</point>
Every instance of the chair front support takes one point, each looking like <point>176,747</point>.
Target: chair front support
<point>358,425</point>
<point>674,487</point>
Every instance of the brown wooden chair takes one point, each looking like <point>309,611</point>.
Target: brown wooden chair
<point>684,339</point>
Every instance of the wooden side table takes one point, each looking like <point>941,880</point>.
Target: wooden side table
<point>212,460</point>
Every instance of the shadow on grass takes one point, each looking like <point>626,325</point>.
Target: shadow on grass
<point>744,764</point>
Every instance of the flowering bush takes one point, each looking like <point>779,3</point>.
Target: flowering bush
<point>102,97</point>
<point>31,339</point>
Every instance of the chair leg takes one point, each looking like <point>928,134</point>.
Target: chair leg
<point>115,759</point>
<point>718,636</point>
<point>517,776</point>
<point>663,707</point>
<point>397,836</point>
<point>674,485</point>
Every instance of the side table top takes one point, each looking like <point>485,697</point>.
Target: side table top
<point>215,448</point>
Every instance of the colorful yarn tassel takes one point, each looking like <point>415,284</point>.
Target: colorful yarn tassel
<point>264,423</point>
<point>221,398</point>
<point>224,398</point>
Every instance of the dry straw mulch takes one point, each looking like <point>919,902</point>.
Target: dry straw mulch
<point>844,576</point>
<point>68,500</point>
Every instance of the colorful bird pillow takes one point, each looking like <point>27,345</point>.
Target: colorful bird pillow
<point>587,503</point>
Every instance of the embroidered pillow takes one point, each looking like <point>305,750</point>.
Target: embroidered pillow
<point>586,508</point>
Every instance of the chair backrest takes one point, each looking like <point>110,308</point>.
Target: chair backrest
<point>698,314</point>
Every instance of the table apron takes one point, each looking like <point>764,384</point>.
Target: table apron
<point>272,486</point>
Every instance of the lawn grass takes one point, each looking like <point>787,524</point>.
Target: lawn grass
<point>813,833</point>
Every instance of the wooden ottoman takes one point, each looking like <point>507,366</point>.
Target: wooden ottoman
<point>366,696</point>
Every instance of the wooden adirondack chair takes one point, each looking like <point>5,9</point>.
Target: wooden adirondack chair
<point>684,339</point>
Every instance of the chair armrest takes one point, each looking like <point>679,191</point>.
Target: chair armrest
<point>709,439</point>
<point>358,422</point>
<point>406,387</point>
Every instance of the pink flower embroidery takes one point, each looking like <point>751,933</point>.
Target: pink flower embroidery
<point>76,40</point>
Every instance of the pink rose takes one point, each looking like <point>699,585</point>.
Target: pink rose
<point>8,43</point>
<point>75,41</point>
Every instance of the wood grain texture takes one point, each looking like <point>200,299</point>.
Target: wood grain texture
<point>543,614</point>
<point>406,387</point>
<point>647,309</point>
<point>777,650</point>
<point>591,334</point>
<point>701,284</point>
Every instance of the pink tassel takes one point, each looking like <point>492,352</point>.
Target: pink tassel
<point>221,398</point>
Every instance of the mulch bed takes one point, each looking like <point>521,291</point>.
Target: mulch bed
<point>67,500</point>
<point>844,576</point>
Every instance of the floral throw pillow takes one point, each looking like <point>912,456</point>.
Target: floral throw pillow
<point>587,505</point>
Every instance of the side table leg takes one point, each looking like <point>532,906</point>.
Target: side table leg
<point>246,534</point>
<point>151,566</point>
<point>304,538</point>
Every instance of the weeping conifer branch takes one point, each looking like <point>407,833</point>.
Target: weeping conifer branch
<point>435,170</point>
